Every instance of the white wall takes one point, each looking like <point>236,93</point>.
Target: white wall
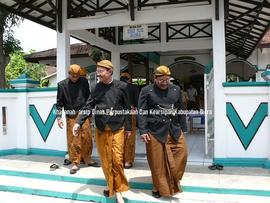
<point>245,101</point>
<point>57,138</point>
<point>8,141</point>
<point>22,132</point>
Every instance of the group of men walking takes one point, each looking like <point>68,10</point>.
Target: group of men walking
<point>114,106</point>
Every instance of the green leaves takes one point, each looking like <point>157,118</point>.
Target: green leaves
<point>18,65</point>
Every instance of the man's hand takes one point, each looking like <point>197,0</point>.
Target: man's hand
<point>145,138</point>
<point>75,129</point>
<point>127,134</point>
<point>60,123</point>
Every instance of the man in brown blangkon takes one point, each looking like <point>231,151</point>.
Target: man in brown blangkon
<point>161,127</point>
<point>108,99</point>
<point>72,93</point>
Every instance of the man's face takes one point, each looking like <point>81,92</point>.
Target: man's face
<point>162,81</point>
<point>103,74</point>
<point>74,77</point>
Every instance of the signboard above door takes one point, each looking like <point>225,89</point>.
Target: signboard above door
<point>132,32</point>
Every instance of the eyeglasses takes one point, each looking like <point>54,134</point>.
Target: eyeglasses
<point>98,71</point>
<point>161,80</point>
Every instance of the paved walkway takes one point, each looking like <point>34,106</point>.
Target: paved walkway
<point>28,179</point>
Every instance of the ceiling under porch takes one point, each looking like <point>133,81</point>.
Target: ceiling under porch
<point>246,21</point>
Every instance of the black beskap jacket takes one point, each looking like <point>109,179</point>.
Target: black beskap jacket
<point>111,105</point>
<point>159,112</point>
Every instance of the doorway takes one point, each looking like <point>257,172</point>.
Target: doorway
<point>191,77</point>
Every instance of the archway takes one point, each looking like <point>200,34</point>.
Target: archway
<point>186,72</point>
<point>238,70</point>
<point>190,72</point>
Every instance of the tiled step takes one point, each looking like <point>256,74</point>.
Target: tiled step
<point>30,175</point>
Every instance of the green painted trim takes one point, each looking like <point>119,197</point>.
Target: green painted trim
<point>134,185</point>
<point>208,68</point>
<point>232,191</point>
<point>44,128</point>
<point>23,151</point>
<point>243,162</point>
<point>245,84</point>
<point>55,194</point>
<point>42,176</point>
<point>267,164</point>
<point>48,152</point>
<point>243,132</point>
<point>33,151</point>
<point>44,89</point>
<point>23,81</point>
<point>7,152</point>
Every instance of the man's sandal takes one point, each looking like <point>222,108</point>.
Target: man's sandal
<point>67,162</point>
<point>53,167</point>
<point>216,167</point>
<point>156,194</point>
<point>94,164</point>
<point>74,170</point>
<point>106,193</point>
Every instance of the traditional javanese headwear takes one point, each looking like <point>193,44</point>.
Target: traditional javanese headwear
<point>162,70</point>
<point>74,68</point>
<point>83,71</point>
<point>105,64</point>
<point>125,75</point>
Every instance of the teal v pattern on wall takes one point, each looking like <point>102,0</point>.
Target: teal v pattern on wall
<point>246,133</point>
<point>43,128</point>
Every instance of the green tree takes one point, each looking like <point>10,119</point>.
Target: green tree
<point>7,42</point>
<point>18,65</point>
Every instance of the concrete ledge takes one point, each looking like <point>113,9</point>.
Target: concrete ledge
<point>243,162</point>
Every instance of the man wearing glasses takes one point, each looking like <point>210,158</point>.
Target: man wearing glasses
<point>110,101</point>
<point>161,127</point>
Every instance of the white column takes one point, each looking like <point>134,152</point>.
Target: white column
<point>63,46</point>
<point>219,65</point>
<point>115,56</point>
<point>268,117</point>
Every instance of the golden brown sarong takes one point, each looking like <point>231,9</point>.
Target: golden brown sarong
<point>167,163</point>
<point>129,153</point>
<point>110,146</point>
<point>79,147</point>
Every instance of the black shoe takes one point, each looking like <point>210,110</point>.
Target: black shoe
<point>156,194</point>
<point>67,162</point>
<point>106,193</point>
<point>94,164</point>
<point>74,170</point>
<point>53,167</point>
<point>216,167</point>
